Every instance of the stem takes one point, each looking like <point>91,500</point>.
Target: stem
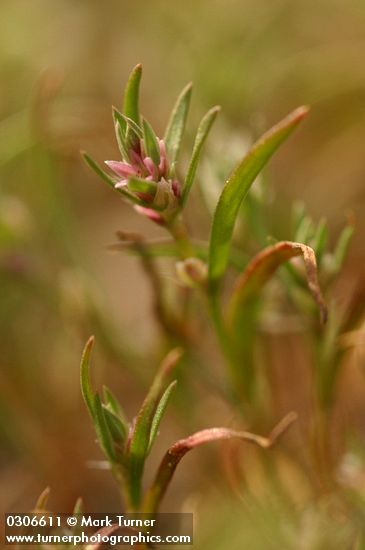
<point>178,231</point>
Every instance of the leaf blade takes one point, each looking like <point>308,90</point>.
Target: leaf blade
<point>140,437</point>
<point>177,451</point>
<point>151,144</point>
<point>86,388</point>
<point>131,95</point>
<point>160,410</point>
<point>236,188</point>
<point>201,136</point>
<point>176,124</point>
<point>99,171</point>
<point>263,266</point>
<point>102,430</point>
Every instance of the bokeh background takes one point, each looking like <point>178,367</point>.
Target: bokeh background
<point>63,63</point>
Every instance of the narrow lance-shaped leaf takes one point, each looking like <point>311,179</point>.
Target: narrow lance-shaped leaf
<point>176,124</point>
<point>151,145</point>
<point>140,437</point>
<point>131,95</point>
<point>86,389</point>
<point>102,429</point>
<point>130,132</point>
<point>137,130</point>
<point>236,188</point>
<point>114,405</point>
<point>262,267</point>
<point>202,134</point>
<point>120,131</point>
<point>99,171</point>
<point>180,448</point>
<point>116,427</point>
<point>160,411</point>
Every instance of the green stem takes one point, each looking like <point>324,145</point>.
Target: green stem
<point>178,231</point>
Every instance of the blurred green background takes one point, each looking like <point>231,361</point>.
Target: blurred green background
<point>63,63</point>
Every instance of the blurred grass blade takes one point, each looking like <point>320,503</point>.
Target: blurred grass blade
<point>140,438</point>
<point>79,506</point>
<point>99,171</point>
<point>236,188</point>
<point>139,185</point>
<point>262,267</point>
<point>176,125</point>
<point>86,389</point>
<point>320,239</point>
<point>202,134</point>
<point>343,245</point>
<point>41,504</point>
<point>160,410</point>
<point>151,145</point>
<point>180,448</point>
<point>102,429</point>
<point>131,95</point>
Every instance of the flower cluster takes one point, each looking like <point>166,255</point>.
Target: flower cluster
<point>146,173</point>
<point>150,181</point>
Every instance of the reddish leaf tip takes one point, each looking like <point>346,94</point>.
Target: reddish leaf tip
<point>301,112</point>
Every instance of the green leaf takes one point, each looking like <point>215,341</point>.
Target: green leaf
<point>202,134</point>
<point>120,126</point>
<point>236,188</point>
<point>139,185</point>
<point>130,132</point>
<point>176,124</point>
<point>137,130</point>
<point>102,429</point>
<point>131,95</point>
<point>99,171</point>
<point>116,427</point>
<point>343,245</point>
<point>139,443</point>
<point>160,410</point>
<point>86,389</point>
<point>151,145</point>
<point>114,405</point>
<point>175,453</point>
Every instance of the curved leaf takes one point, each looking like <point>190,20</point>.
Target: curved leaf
<point>131,95</point>
<point>263,266</point>
<point>236,188</point>
<point>86,389</point>
<point>180,448</point>
<point>202,134</point>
